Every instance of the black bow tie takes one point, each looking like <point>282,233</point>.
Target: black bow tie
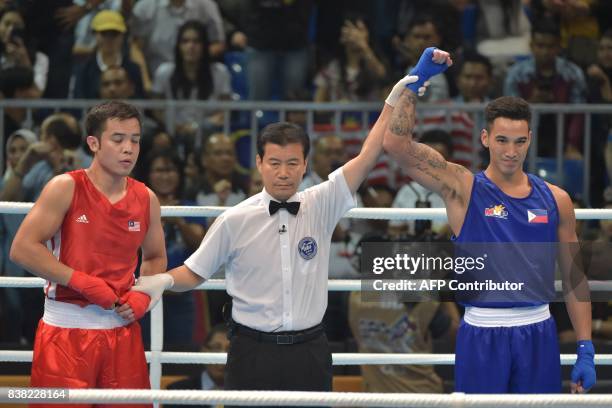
<point>293,207</point>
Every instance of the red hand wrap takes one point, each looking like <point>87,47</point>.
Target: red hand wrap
<point>138,301</point>
<point>94,289</point>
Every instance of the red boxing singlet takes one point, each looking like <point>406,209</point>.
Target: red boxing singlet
<point>100,238</point>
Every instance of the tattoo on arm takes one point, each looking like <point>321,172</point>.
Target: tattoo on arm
<point>427,160</point>
<point>431,163</point>
<point>429,157</point>
<point>423,158</point>
<point>403,118</point>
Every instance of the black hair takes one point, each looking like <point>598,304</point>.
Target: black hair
<point>147,141</point>
<point>95,122</point>
<point>438,136</point>
<point>510,107</point>
<point>283,133</point>
<point>65,135</point>
<point>15,78</point>
<point>426,18</point>
<point>204,80</point>
<point>474,57</point>
<point>546,26</point>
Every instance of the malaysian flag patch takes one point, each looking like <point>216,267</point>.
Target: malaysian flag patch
<point>133,226</point>
<point>537,216</point>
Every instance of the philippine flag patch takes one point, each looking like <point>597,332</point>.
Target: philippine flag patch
<point>133,226</point>
<point>537,216</point>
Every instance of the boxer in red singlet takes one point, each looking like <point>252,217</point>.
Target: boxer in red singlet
<point>93,222</point>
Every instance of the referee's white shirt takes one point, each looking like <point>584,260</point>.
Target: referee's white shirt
<point>273,285</point>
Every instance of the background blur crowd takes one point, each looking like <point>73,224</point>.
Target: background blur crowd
<point>338,51</point>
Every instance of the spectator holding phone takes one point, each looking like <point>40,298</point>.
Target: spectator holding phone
<point>17,50</point>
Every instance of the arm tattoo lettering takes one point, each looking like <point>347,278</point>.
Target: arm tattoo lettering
<point>423,158</point>
<point>403,118</point>
<point>426,155</point>
<point>461,170</point>
<point>431,163</point>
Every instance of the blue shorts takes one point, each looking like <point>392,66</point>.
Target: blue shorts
<point>497,360</point>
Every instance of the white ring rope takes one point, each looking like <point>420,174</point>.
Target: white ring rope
<point>303,398</point>
<point>339,359</point>
<point>8,207</point>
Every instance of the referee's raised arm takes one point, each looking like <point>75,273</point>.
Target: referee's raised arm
<point>356,170</point>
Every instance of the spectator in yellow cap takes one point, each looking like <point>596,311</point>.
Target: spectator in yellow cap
<point>111,50</point>
<point>108,20</point>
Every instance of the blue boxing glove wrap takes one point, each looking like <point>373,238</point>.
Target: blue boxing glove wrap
<point>425,69</point>
<point>584,369</point>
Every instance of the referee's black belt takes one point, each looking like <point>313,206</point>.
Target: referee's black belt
<point>287,337</point>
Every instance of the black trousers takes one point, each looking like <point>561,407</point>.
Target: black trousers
<point>254,365</point>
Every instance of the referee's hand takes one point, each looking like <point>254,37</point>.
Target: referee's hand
<point>154,286</point>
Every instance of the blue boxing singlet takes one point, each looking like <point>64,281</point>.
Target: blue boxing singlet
<point>507,341</point>
<point>519,236</point>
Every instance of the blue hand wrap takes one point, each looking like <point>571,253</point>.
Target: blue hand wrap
<point>584,369</point>
<point>425,69</point>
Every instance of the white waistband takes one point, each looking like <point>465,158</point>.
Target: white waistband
<point>71,316</point>
<point>505,317</point>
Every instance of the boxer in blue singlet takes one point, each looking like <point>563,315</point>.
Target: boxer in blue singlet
<point>502,347</point>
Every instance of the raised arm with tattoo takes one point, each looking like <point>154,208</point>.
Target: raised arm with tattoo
<point>422,163</point>
<point>357,169</point>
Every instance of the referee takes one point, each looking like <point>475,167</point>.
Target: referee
<point>275,246</point>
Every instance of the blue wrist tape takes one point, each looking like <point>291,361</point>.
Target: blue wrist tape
<point>425,69</point>
<point>584,369</point>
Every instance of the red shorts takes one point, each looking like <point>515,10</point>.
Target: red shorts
<point>89,358</point>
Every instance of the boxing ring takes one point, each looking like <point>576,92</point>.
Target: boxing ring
<point>156,357</point>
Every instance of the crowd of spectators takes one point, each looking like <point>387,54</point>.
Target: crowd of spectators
<point>546,51</point>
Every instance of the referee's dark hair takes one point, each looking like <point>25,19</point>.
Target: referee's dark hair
<point>283,133</point>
